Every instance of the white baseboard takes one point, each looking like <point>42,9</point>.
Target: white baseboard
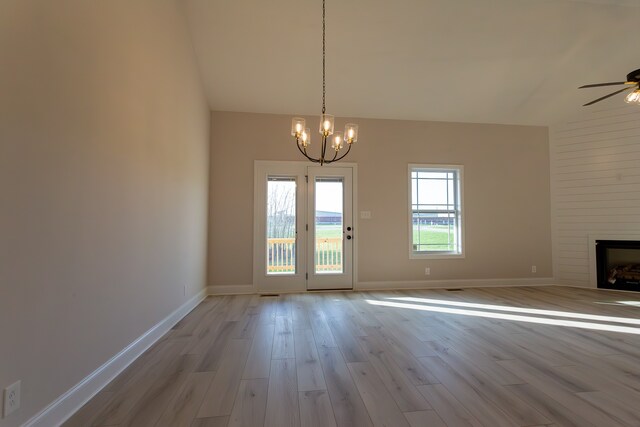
<point>453,283</point>
<point>401,284</point>
<point>66,405</point>
<point>231,290</point>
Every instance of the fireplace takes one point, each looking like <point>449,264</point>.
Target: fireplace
<point>618,264</point>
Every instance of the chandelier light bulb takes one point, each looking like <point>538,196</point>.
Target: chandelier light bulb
<point>351,133</point>
<point>633,97</point>
<point>326,124</point>
<point>305,137</point>
<point>297,126</point>
<point>336,143</point>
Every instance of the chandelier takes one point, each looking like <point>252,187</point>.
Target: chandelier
<point>302,134</point>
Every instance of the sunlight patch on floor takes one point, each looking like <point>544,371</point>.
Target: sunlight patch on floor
<point>567,314</point>
<point>631,303</point>
<point>504,316</point>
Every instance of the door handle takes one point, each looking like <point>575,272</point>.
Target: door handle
<point>348,237</point>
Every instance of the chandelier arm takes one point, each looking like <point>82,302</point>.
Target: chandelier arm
<point>341,157</point>
<point>304,153</point>
<point>323,152</point>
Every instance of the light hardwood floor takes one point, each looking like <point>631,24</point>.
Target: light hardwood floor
<point>479,357</point>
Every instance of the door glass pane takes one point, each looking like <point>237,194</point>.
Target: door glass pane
<point>328,225</point>
<point>281,225</point>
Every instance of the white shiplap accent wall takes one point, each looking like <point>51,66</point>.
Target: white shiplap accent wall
<point>595,184</point>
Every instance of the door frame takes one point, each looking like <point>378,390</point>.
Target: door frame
<point>261,169</point>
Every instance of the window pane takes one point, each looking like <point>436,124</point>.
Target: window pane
<point>432,175</point>
<point>434,232</point>
<point>281,225</point>
<point>328,225</point>
<point>432,193</point>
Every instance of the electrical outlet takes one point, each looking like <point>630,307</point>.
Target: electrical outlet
<point>534,269</point>
<point>11,398</point>
<point>427,271</point>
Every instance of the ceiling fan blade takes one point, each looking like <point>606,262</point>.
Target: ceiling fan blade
<point>607,96</point>
<point>606,84</point>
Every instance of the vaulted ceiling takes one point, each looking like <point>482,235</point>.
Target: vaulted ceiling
<point>483,61</point>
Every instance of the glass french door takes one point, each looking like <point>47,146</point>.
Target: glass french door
<point>330,234</point>
<point>303,227</point>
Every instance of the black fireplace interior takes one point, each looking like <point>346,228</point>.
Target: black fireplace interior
<point>618,264</point>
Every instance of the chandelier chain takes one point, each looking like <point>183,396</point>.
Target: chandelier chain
<point>324,48</point>
<point>301,133</point>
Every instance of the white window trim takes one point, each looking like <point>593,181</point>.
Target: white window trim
<point>435,254</point>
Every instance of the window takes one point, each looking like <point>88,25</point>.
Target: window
<point>281,225</point>
<point>435,211</point>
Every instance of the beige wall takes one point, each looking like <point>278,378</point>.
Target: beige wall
<point>506,195</point>
<point>104,137</point>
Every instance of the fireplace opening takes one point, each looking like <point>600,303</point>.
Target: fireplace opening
<point>618,264</point>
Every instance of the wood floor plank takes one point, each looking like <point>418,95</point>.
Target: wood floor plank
<point>480,406</point>
<point>484,385</point>
<point>283,346</point>
<point>210,422</point>
<point>215,351</point>
<point>125,399</point>
<point>347,342</point>
<point>250,403</point>
<point>405,394</point>
<point>452,412</point>
<point>259,360</point>
<point>462,347</point>
<point>424,418</point>
<point>380,405</point>
<point>417,373</point>
<point>246,326</point>
<point>315,409</point>
<point>282,399</point>
<point>321,331</point>
<point>347,404</point>
<point>238,307</point>
<point>182,409</point>
<point>219,399</point>
<point>551,408</point>
<point>300,310</point>
<point>612,406</point>
<point>409,343</point>
<point>205,333</point>
<point>310,376</point>
<point>560,391</point>
<point>149,407</point>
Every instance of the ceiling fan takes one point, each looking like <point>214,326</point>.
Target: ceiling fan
<point>633,82</point>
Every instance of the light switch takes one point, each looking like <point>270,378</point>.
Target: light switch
<point>365,214</point>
